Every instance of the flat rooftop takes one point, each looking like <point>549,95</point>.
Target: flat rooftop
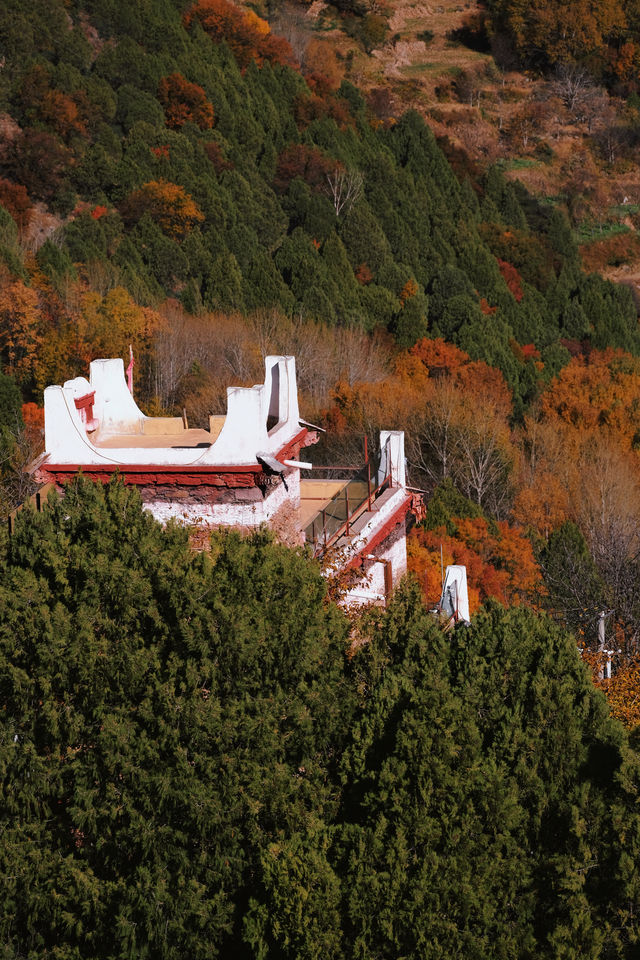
<point>128,441</point>
<point>158,433</point>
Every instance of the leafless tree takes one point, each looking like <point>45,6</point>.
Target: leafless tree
<point>264,330</point>
<point>349,354</point>
<point>231,350</point>
<point>451,437</point>
<point>527,123</point>
<point>595,108</point>
<point>359,357</point>
<point>469,87</point>
<point>611,136</point>
<point>432,441</point>
<point>573,86</point>
<point>344,188</point>
<point>222,347</point>
<point>291,22</point>
<point>484,464</point>
<point>18,449</point>
<point>609,516</point>
<point>307,341</point>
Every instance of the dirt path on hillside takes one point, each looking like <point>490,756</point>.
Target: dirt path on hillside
<point>406,56</point>
<point>419,66</point>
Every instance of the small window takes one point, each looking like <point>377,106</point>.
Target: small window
<point>273,418</point>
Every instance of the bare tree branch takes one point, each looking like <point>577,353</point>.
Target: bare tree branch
<point>344,188</point>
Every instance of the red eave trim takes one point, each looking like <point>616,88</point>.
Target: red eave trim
<point>291,446</point>
<point>159,468</point>
<point>394,520</point>
<point>167,469</point>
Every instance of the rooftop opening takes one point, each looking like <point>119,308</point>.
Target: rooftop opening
<point>273,419</point>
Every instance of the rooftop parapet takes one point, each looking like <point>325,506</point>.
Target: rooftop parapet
<point>97,421</point>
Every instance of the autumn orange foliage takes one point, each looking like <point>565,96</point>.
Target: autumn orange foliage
<point>168,204</point>
<point>408,291</point>
<point>486,308</point>
<point>623,692</point>
<point>439,356</point>
<point>474,376</point>
<point>33,415</point>
<point>498,557</point>
<point>61,112</point>
<point>597,394</point>
<point>248,36</point>
<point>321,68</point>
<point>20,330</point>
<point>42,338</point>
<point>46,105</point>
<point>184,102</point>
<point>622,689</point>
<point>33,419</point>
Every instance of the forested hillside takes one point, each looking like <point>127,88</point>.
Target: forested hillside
<point>201,755</point>
<point>190,770</point>
<point>183,154</point>
<point>173,176</point>
<point>604,36</point>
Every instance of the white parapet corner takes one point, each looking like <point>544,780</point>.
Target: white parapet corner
<point>392,462</point>
<point>454,601</point>
<point>245,429</point>
<point>281,395</point>
<point>65,436</point>
<point>114,406</point>
<point>262,418</point>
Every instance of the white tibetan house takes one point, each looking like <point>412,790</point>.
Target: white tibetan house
<point>243,471</point>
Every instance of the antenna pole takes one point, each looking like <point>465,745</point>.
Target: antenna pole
<point>441,571</point>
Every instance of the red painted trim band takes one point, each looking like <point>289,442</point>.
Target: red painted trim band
<point>241,475</point>
<point>394,520</point>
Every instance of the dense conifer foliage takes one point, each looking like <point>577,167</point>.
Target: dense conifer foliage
<point>199,760</point>
<point>166,717</point>
<point>201,755</point>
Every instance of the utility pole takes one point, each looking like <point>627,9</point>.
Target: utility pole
<point>604,669</point>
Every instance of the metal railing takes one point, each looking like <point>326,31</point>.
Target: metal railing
<point>338,516</point>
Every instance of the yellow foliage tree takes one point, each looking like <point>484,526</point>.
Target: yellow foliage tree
<point>111,323</point>
<point>168,205</point>
<point>20,330</point>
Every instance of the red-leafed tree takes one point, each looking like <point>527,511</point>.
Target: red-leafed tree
<point>308,163</point>
<point>184,102</point>
<point>512,279</point>
<point>314,107</point>
<point>15,199</point>
<point>38,159</point>
<point>216,157</point>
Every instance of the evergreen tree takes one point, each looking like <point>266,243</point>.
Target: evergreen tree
<point>168,718</point>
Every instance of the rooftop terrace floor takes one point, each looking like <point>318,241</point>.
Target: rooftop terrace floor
<point>128,441</point>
